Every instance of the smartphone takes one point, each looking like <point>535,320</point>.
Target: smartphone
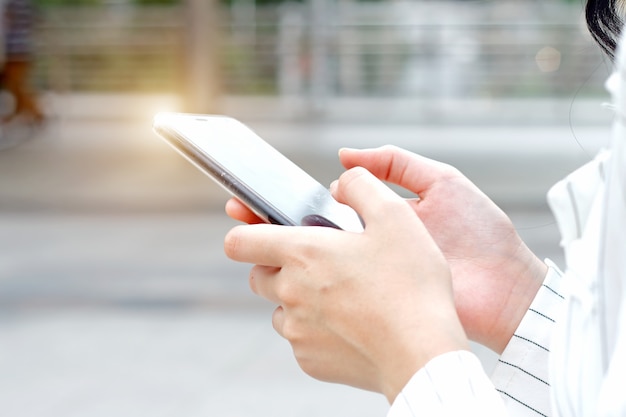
<point>249,168</point>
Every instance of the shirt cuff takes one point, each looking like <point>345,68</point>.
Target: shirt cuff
<point>451,384</point>
<point>521,374</point>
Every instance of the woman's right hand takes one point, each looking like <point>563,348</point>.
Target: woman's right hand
<point>364,309</point>
<point>495,275</point>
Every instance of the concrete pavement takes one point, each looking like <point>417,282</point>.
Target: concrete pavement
<point>97,363</point>
<point>131,363</point>
<point>140,315</point>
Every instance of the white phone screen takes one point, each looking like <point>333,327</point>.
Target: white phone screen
<point>244,164</point>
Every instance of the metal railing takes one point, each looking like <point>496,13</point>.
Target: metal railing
<point>430,49</point>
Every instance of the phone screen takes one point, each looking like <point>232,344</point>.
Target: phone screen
<point>244,164</point>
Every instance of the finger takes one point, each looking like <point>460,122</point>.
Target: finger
<point>278,320</point>
<point>370,197</point>
<point>238,211</point>
<point>262,281</point>
<point>333,188</point>
<point>268,244</point>
<point>398,166</point>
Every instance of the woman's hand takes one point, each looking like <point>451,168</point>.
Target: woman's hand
<point>364,309</point>
<point>495,275</point>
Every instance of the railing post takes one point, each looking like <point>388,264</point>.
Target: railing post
<point>202,80</point>
<point>320,77</point>
<point>290,55</point>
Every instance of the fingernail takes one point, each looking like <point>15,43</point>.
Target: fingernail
<point>345,149</point>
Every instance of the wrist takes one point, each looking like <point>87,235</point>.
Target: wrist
<point>446,335</point>
<point>528,278</point>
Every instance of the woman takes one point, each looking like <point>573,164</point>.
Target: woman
<point>392,309</point>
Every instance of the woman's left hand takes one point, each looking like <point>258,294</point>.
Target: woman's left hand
<point>364,309</point>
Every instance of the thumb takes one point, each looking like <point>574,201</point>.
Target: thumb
<point>369,196</point>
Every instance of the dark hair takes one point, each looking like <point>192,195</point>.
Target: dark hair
<point>604,23</point>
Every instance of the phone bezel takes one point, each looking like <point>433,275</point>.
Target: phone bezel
<point>220,175</point>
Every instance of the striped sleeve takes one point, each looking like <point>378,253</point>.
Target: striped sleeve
<point>521,374</point>
<point>452,384</point>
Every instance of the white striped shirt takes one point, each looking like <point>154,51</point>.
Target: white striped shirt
<point>521,375</point>
<point>568,355</point>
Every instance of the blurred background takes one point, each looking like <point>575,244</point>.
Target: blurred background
<point>115,295</point>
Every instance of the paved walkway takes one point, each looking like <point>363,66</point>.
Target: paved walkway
<point>134,314</point>
<point>92,363</point>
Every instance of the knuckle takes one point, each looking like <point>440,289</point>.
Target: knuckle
<point>286,326</point>
<point>286,293</point>
<point>288,330</point>
<point>277,321</point>
<point>449,170</point>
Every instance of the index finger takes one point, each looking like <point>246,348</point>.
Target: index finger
<point>270,244</point>
<point>253,244</point>
<point>398,166</point>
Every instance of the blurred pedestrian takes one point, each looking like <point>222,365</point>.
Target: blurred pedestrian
<point>19,25</point>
